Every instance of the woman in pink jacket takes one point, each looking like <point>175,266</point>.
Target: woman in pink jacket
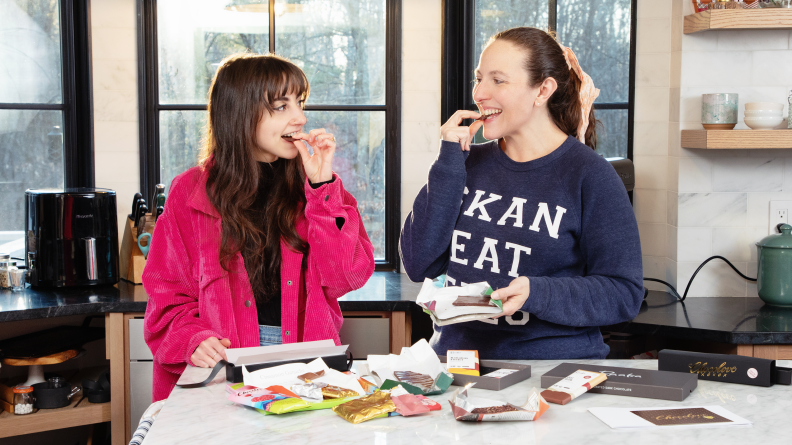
<point>259,241</point>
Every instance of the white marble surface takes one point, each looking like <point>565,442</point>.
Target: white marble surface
<point>204,415</point>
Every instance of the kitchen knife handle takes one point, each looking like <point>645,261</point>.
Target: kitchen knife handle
<point>134,205</point>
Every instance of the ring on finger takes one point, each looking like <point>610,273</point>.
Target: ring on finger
<point>333,138</point>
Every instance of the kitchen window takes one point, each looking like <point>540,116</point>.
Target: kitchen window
<point>46,121</point>
<point>600,32</point>
<point>349,51</point>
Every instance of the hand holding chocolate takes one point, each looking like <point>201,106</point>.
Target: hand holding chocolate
<point>458,304</point>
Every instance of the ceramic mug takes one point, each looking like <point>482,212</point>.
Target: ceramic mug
<point>719,111</point>
<point>145,236</point>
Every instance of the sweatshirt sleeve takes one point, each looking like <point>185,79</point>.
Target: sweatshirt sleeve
<point>426,236</point>
<point>340,249</point>
<point>173,328</point>
<point>612,289</point>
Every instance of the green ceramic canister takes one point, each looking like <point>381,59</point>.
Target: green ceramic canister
<point>774,275</point>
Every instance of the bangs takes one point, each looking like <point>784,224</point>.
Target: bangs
<point>291,80</point>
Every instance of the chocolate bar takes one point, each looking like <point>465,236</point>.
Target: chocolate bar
<point>558,397</point>
<point>472,300</point>
<point>494,409</point>
<point>422,381</point>
<point>311,376</point>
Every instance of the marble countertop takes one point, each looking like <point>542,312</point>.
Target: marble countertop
<point>204,415</point>
<point>385,291</point>
<point>738,320</point>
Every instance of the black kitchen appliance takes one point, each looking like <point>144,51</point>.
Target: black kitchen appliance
<point>72,237</point>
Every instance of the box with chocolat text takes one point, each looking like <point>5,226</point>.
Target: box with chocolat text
<point>495,375</point>
<point>723,368</point>
<point>631,382</point>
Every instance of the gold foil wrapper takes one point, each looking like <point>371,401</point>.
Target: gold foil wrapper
<point>336,392</point>
<point>366,408</point>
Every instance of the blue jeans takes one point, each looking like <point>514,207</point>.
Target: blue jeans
<point>270,335</point>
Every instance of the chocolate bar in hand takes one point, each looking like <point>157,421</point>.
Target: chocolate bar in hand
<point>473,300</point>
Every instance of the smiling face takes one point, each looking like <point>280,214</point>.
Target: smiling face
<point>502,90</point>
<point>273,129</point>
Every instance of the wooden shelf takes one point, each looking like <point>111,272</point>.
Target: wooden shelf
<point>767,18</point>
<point>736,139</point>
<point>84,413</point>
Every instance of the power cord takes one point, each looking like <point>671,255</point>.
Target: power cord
<point>687,288</point>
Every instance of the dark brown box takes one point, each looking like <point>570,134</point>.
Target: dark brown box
<point>492,383</point>
<point>720,367</point>
<point>631,382</point>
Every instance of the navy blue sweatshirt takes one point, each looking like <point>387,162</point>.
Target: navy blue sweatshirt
<point>563,220</point>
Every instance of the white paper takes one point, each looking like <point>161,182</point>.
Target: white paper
<point>419,358</point>
<point>234,354</point>
<point>286,375</point>
<point>444,298</point>
<point>622,418</point>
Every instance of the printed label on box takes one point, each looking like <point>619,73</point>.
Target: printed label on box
<point>462,359</point>
<point>503,372</point>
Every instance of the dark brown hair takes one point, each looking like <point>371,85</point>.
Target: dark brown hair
<point>543,59</point>
<point>242,90</point>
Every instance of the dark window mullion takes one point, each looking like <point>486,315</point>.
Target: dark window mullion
<point>16,106</point>
<point>612,106</point>
<point>272,26</point>
<point>148,96</point>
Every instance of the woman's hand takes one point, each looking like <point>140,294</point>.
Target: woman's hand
<point>209,352</point>
<point>319,166</point>
<point>452,132</point>
<point>514,296</point>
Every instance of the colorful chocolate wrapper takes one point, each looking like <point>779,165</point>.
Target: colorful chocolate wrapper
<point>458,304</point>
<point>406,403</point>
<point>365,408</point>
<point>473,409</point>
<point>297,405</point>
<point>251,396</point>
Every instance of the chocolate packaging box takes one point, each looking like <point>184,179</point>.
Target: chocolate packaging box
<point>725,368</point>
<point>495,375</point>
<point>630,382</point>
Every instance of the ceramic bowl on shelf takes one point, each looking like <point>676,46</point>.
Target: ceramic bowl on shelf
<point>774,106</point>
<point>718,126</point>
<point>763,123</point>
<point>763,113</point>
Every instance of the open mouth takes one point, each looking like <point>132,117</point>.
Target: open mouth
<point>490,114</point>
<point>290,136</point>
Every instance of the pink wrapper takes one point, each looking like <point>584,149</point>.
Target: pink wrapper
<point>409,405</point>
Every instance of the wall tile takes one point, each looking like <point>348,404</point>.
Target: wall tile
<point>700,41</point>
<point>694,243</point>
<point>671,272</point>
<point>654,35</point>
<point>674,139</point>
<point>651,138</point>
<point>423,44</point>
<point>651,172</point>
<point>115,106</point>
<point>421,75</point>
<point>672,201</point>
<point>420,137</point>
<point>650,205</point>
<point>115,167</point>
<point>422,14</point>
<point>674,104</point>
<point>677,28</point>
<point>653,70</point>
<point>747,175</point>
<point>712,209</point>
<point>672,242</point>
<point>653,239</point>
<point>420,106</point>
<point>716,279</point>
<point>653,267</point>
<point>655,9</point>
<point>416,168</point>
<point>711,68</point>
<point>695,174</point>
<point>113,14</point>
<point>651,104</point>
<point>759,207</point>
<point>673,173</point>
<point>113,43</point>
<point>116,136</point>
<point>753,39</point>
<point>732,243</point>
<point>752,236</point>
<point>676,69</point>
<point>114,74</point>
<point>771,68</point>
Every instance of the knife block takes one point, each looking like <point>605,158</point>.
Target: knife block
<point>131,260</point>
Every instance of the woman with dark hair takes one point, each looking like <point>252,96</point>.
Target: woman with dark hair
<point>259,241</point>
<point>543,219</point>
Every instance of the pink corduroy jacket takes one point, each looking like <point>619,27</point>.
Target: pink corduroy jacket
<point>192,298</point>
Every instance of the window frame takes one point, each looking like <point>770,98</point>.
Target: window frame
<point>77,94</point>
<point>459,24</point>
<point>150,107</point>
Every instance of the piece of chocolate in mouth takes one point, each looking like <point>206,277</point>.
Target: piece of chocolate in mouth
<point>290,139</point>
<point>494,409</point>
<point>422,381</point>
<point>472,300</point>
<point>311,375</point>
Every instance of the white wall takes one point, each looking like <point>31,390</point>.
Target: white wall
<point>115,82</point>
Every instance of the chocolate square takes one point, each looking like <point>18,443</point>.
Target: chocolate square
<point>473,300</point>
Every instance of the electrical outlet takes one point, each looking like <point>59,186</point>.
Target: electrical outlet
<point>779,213</point>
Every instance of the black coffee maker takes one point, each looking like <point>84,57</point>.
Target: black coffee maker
<point>71,237</point>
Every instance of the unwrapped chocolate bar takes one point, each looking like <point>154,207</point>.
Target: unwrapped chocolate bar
<point>483,410</point>
<point>572,386</point>
<point>473,300</point>
<point>422,381</point>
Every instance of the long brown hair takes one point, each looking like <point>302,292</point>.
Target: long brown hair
<point>544,58</point>
<point>242,90</point>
